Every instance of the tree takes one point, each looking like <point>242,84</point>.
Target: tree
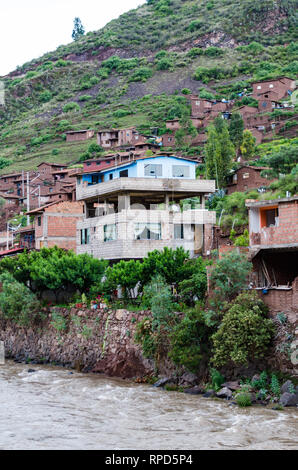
<point>125,274</point>
<point>248,146</point>
<point>228,277</point>
<point>236,130</point>
<point>219,152</point>
<point>78,29</point>
<point>283,160</point>
<point>244,333</point>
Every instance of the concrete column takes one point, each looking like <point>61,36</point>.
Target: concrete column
<point>167,202</point>
<point>203,201</point>
<point>124,202</point>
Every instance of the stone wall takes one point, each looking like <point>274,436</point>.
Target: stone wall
<point>92,340</point>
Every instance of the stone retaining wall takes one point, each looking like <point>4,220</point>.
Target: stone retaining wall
<point>92,340</point>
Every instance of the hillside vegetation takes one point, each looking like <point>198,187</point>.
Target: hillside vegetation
<point>133,70</point>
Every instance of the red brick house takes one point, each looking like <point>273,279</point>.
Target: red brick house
<point>278,88</point>
<point>247,177</point>
<point>56,224</point>
<point>273,232</point>
<point>77,136</point>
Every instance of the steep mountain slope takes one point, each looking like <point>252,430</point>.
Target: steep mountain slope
<point>132,71</point>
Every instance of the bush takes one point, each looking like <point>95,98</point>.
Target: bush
<point>216,379</point>
<point>17,303</point>
<point>45,96</point>
<point>243,399</point>
<point>71,106</point>
<point>244,334</point>
<point>189,341</point>
<point>141,75</point>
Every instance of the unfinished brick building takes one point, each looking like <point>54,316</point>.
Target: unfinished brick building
<point>273,227</point>
<point>247,177</point>
<point>77,136</point>
<point>56,224</point>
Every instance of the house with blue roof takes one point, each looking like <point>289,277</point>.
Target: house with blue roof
<point>143,204</point>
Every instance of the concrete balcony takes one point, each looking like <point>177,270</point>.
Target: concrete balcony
<point>187,187</point>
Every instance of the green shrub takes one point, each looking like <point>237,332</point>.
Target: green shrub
<point>55,152</point>
<point>243,399</point>
<point>45,96</point>
<point>71,106</point>
<point>244,333</point>
<point>217,379</point>
<point>141,75</point>
<point>275,387</point>
<point>17,303</point>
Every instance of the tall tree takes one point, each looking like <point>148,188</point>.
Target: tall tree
<point>78,29</point>
<point>236,129</point>
<point>248,146</point>
<point>219,152</point>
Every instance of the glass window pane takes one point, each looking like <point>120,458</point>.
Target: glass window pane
<point>180,171</point>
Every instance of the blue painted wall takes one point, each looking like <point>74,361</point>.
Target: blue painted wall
<point>137,169</point>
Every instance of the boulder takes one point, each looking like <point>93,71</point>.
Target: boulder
<point>209,394</point>
<point>289,399</point>
<point>197,390</point>
<point>287,387</point>
<point>30,371</point>
<point>188,378</point>
<point>162,382</point>
<point>225,392</point>
<point>232,385</point>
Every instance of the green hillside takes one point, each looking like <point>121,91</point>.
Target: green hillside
<point>132,72</point>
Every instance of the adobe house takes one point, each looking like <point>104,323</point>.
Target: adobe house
<point>77,136</point>
<point>56,224</point>
<point>173,124</point>
<point>46,169</point>
<point>247,177</point>
<point>200,106</point>
<point>113,138</point>
<point>168,140</point>
<point>282,87</point>
<point>134,208</point>
<point>273,232</point>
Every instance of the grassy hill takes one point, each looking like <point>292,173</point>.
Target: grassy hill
<point>133,70</point>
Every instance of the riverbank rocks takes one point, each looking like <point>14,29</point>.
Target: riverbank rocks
<point>288,387</point>
<point>225,392</point>
<point>197,390</point>
<point>232,385</point>
<point>162,382</point>
<point>289,399</point>
<point>188,379</point>
<point>209,394</point>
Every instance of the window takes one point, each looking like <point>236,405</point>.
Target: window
<point>271,214</point>
<point>39,221</point>
<point>178,231</point>
<point>259,87</point>
<point>85,236</point>
<point>111,176</point>
<point>271,86</point>
<point>180,171</point>
<point>147,231</point>
<point>152,170</point>
<point>110,232</point>
<point>95,179</point>
<point>197,103</point>
<point>123,174</point>
<point>245,176</point>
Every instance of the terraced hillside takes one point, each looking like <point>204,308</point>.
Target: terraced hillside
<point>132,72</point>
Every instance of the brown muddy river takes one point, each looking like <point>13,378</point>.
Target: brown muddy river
<point>54,409</point>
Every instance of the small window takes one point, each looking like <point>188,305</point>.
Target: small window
<point>178,231</point>
<point>111,176</point>
<point>147,231</point>
<point>152,170</point>
<point>95,179</point>
<point>259,87</point>
<point>197,103</point>
<point>85,236</point>
<point>39,221</point>
<point>271,215</point>
<point>245,176</point>
<point>180,171</point>
<point>271,86</point>
<point>124,174</point>
<point>110,232</point>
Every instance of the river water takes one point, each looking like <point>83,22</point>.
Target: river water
<point>54,408</point>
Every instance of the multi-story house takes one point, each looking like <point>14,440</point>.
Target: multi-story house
<point>150,203</point>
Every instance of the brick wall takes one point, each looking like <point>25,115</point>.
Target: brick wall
<point>287,230</point>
